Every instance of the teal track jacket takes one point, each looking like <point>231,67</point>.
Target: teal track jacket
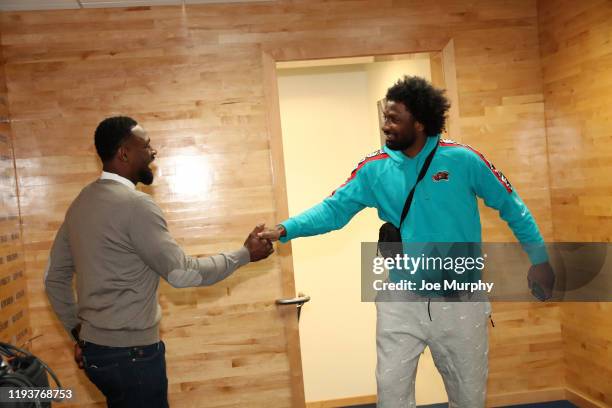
<point>444,207</point>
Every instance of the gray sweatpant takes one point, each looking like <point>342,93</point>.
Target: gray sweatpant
<point>458,340</point>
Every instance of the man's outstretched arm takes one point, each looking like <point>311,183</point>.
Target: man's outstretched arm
<point>333,213</point>
<point>157,248</point>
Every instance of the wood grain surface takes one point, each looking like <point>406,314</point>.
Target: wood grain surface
<point>195,77</point>
<point>576,51</point>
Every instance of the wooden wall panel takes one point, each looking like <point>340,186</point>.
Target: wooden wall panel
<point>501,113</point>
<point>14,310</point>
<point>576,51</point>
<point>194,78</point>
<point>577,67</point>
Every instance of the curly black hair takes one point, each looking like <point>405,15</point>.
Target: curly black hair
<point>110,133</point>
<point>427,104</point>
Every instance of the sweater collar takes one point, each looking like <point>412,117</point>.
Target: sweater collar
<point>113,176</point>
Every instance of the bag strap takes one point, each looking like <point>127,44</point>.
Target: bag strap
<point>421,175</point>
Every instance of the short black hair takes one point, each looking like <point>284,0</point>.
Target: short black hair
<point>427,104</point>
<point>110,133</point>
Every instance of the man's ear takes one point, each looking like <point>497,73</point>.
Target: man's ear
<point>122,153</point>
<point>419,126</point>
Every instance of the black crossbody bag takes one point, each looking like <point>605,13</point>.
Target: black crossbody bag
<point>389,233</point>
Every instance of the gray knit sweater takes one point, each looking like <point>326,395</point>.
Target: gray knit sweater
<point>116,240</point>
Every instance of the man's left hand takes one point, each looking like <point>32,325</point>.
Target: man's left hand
<point>541,280</point>
<point>78,355</point>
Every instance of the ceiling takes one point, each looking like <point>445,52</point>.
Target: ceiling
<point>7,5</point>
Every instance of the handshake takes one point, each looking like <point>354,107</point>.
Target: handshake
<point>259,241</point>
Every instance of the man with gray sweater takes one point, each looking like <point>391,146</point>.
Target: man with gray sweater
<point>115,239</point>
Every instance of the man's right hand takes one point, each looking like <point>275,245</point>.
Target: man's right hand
<point>259,248</point>
<point>273,234</point>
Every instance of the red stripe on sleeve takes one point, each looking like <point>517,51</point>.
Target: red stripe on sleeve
<point>502,179</point>
<point>359,166</point>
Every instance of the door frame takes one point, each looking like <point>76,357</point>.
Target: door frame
<point>443,73</point>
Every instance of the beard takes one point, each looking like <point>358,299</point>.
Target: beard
<point>145,176</point>
<point>403,144</point>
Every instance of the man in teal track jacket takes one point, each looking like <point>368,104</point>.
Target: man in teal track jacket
<point>444,209</point>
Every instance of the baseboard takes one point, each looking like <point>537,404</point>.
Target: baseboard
<point>525,397</point>
<point>343,402</point>
<point>582,400</point>
<point>497,400</point>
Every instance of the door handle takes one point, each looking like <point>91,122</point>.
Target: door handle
<point>298,301</point>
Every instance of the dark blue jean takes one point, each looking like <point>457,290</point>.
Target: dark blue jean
<point>129,377</point>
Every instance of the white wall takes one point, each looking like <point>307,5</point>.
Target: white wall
<point>329,123</point>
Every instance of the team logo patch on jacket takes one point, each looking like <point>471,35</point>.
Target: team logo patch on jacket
<point>440,176</point>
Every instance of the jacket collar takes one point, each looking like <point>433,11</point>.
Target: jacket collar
<point>399,157</point>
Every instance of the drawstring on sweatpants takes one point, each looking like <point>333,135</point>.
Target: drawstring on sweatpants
<point>429,308</point>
